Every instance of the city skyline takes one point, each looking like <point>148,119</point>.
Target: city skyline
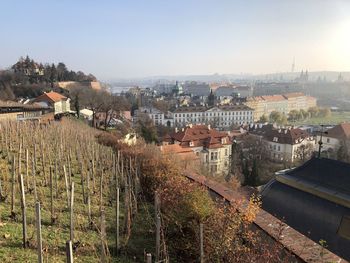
<point>116,39</point>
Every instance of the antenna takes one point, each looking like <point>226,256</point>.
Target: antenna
<point>293,65</point>
<point>320,141</point>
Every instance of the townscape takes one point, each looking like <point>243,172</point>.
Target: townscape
<point>178,168</point>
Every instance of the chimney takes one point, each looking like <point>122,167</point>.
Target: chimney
<point>176,129</point>
<point>190,125</point>
<point>285,131</point>
<point>208,126</point>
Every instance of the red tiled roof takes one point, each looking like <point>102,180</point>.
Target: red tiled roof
<point>341,131</point>
<point>293,95</point>
<point>199,135</point>
<point>51,97</point>
<point>274,98</point>
<point>183,153</point>
<point>287,136</point>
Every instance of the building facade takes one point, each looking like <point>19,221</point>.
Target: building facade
<point>264,105</point>
<point>285,144</point>
<point>218,116</point>
<point>154,114</point>
<point>212,146</point>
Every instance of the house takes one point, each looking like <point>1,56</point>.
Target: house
<point>285,144</point>
<point>212,146</point>
<point>10,110</point>
<point>314,199</point>
<point>333,137</point>
<point>86,114</point>
<point>57,102</point>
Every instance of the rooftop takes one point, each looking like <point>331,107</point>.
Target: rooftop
<point>315,200</point>
<point>199,136</point>
<point>51,97</point>
<point>341,131</point>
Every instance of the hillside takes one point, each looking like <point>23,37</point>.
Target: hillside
<point>28,78</point>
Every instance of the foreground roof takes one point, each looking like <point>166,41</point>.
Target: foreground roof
<point>315,200</point>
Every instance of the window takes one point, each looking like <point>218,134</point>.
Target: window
<point>328,140</point>
<point>213,156</point>
<point>279,148</point>
<point>274,147</point>
<point>226,152</point>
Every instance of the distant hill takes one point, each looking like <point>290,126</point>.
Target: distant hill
<point>28,78</point>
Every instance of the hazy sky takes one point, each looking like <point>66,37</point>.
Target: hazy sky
<point>121,39</point>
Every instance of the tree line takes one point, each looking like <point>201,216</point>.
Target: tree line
<point>27,70</point>
<point>296,115</point>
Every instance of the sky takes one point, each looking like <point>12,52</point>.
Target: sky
<point>130,39</point>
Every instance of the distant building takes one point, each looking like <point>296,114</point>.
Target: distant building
<point>234,91</point>
<point>86,114</point>
<point>332,139</point>
<point>285,144</point>
<point>217,116</point>
<point>57,102</point>
<point>154,114</point>
<point>213,147</point>
<point>196,89</point>
<point>314,199</point>
<point>177,89</point>
<point>264,105</point>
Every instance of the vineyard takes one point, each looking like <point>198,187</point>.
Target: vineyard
<point>81,190</point>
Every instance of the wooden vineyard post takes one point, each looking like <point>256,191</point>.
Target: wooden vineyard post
<point>201,243</point>
<point>148,258</point>
<point>69,251</point>
<point>38,232</point>
<point>101,191</point>
<point>27,168</point>
<point>117,212</point>
<point>67,185</point>
<point>56,178</point>
<point>51,197</point>
<point>34,178</point>
<point>71,213</point>
<point>158,238</point>
<point>24,212</point>
<point>88,196</point>
<point>103,237</point>
<point>82,183</point>
<point>13,184</point>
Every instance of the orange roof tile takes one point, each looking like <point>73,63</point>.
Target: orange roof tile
<point>50,96</point>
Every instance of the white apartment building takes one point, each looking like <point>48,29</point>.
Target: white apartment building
<point>218,116</point>
<point>154,114</point>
